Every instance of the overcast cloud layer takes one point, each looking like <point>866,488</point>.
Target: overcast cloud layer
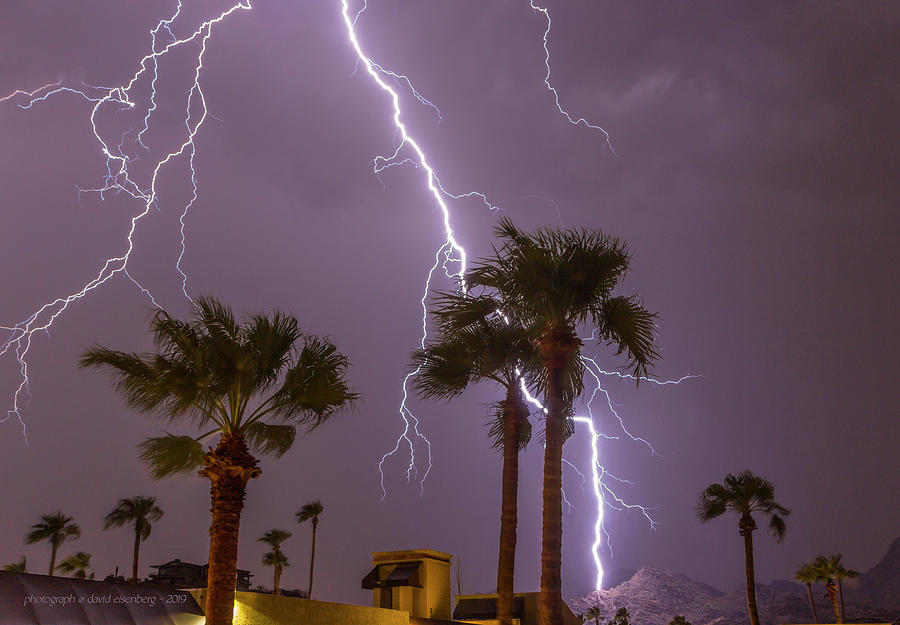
<point>755,185</point>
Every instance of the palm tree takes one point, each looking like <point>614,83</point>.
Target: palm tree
<point>310,512</point>
<point>621,617</point>
<point>247,383</point>
<point>472,349</point>
<point>808,574</point>
<point>141,512</point>
<point>745,494</point>
<point>678,619</point>
<point>276,558</point>
<point>56,529</point>
<point>830,569</point>
<point>17,567</point>
<point>593,613</point>
<point>551,282</point>
<point>78,564</point>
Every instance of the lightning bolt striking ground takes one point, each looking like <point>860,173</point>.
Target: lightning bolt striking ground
<point>118,178</point>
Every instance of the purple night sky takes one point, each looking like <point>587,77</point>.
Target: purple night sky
<point>756,187</point>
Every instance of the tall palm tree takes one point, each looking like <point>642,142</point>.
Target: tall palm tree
<point>551,282</point>
<point>276,558</point>
<point>808,574</point>
<point>310,512</point>
<point>141,512</point>
<point>56,529</point>
<point>473,348</point>
<point>831,570</point>
<point>250,384</point>
<point>77,564</point>
<point>17,567</point>
<point>745,494</point>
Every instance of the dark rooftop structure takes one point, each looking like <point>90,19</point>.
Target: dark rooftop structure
<point>27,599</point>
<point>178,574</point>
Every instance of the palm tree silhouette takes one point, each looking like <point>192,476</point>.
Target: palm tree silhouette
<point>808,574</point>
<point>77,564</point>
<point>275,558</point>
<point>310,512</point>
<point>475,345</point>
<point>830,569</point>
<point>56,529</point>
<point>17,567</point>
<point>745,494</point>
<point>141,512</point>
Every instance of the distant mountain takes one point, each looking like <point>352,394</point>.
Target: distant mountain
<point>880,585</point>
<point>653,597</point>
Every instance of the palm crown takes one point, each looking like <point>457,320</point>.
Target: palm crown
<point>139,511</point>
<point>275,537</point>
<point>745,494</point>
<point>475,345</point>
<point>78,564</point>
<point>56,529</point>
<point>214,371</point>
<point>310,511</point>
<point>831,567</point>
<point>555,280</point>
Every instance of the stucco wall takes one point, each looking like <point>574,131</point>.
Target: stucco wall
<point>253,608</point>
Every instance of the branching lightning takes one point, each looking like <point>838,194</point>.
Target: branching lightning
<point>450,256</point>
<point>118,178</point>
<point>575,121</point>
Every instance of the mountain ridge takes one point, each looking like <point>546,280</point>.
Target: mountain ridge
<point>654,596</point>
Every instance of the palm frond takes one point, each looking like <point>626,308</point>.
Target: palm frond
<point>315,388</point>
<point>625,323</point>
<point>275,537</point>
<point>269,438</point>
<point>170,454</point>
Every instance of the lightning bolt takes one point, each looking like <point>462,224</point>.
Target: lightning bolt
<point>118,179</point>
<point>575,121</point>
<point>449,253</point>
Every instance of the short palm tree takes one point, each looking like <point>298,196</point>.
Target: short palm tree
<point>678,619</point>
<point>77,564</point>
<point>276,557</point>
<point>808,574</point>
<point>594,613</point>
<point>248,383</point>
<point>56,529</point>
<point>831,570</point>
<point>472,348</point>
<point>17,567</point>
<point>745,494</point>
<point>551,282</point>
<point>310,512</point>
<point>140,512</point>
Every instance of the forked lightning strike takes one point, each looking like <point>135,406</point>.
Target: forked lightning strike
<point>117,179</point>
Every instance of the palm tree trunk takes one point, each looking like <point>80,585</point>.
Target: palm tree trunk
<point>556,349</point>
<point>841,595</point>
<point>747,526</point>
<point>831,588</point>
<point>312,557</point>
<point>228,469</point>
<point>509,513</point>
<point>812,605</point>
<point>53,548</point>
<point>276,584</point>
<point>137,550</point>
